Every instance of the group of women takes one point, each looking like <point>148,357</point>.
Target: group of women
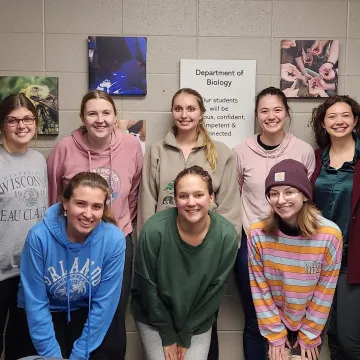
<point>281,216</point>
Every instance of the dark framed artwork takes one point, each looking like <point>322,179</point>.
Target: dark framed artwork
<point>309,68</point>
<point>117,65</point>
<point>43,92</point>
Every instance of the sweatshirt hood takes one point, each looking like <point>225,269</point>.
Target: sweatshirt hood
<point>115,147</point>
<point>253,144</point>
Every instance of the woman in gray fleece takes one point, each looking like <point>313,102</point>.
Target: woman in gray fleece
<point>23,201</point>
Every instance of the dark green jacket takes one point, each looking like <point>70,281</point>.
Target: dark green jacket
<point>178,287</point>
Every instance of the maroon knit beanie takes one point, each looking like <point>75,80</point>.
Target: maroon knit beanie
<point>289,172</point>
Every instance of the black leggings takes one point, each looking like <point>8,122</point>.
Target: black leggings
<point>8,303</point>
<point>344,329</point>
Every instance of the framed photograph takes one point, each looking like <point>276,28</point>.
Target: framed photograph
<point>117,65</point>
<point>136,128</point>
<point>43,93</point>
<point>309,68</point>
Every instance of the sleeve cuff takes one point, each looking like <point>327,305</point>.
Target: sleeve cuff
<point>311,344</point>
<point>184,339</point>
<point>168,335</point>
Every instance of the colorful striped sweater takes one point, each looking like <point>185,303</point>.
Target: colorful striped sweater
<point>293,281</point>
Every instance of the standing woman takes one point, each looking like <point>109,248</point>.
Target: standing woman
<point>101,148</point>
<point>173,315</point>
<point>256,156</point>
<point>186,144</point>
<point>336,183</point>
<point>71,274</point>
<point>23,199</point>
<point>294,263</point>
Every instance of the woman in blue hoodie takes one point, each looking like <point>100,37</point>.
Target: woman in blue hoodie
<point>71,274</point>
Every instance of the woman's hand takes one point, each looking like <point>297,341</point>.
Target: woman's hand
<point>171,352</point>
<point>277,352</point>
<point>326,71</point>
<point>318,47</point>
<point>289,72</point>
<point>181,353</point>
<point>308,354</point>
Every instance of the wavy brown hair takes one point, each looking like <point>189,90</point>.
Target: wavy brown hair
<point>322,138</point>
<point>94,181</point>
<point>210,149</point>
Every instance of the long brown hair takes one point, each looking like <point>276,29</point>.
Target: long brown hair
<point>307,221</point>
<point>13,102</point>
<point>94,181</point>
<point>210,149</point>
<point>322,138</point>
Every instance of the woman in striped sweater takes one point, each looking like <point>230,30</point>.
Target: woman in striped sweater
<point>294,262</point>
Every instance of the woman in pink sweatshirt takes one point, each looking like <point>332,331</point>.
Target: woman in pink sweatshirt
<point>99,147</point>
<point>256,156</point>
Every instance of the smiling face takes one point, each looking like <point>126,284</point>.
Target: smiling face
<point>339,120</point>
<point>271,114</point>
<point>85,209</point>
<point>286,201</point>
<point>192,198</point>
<point>20,135</point>
<point>99,118</point>
<point>186,112</point>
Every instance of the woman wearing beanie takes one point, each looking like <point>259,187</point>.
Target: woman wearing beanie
<point>336,182</point>
<point>294,263</point>
<point>255,158</point>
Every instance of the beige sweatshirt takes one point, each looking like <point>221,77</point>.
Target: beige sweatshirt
<point>164,160</point>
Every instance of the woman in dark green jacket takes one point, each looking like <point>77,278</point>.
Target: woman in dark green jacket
<point>183,259</point>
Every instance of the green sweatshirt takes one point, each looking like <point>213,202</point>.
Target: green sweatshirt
<point>177,287</point>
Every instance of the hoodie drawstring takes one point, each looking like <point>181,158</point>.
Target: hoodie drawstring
<point>110,176</point>
<point>89,157</point>
<point>68,285</point>
<point>89,302</point>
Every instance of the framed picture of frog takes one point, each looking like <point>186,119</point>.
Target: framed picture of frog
<point>43,93</point>
<point>309,68</point>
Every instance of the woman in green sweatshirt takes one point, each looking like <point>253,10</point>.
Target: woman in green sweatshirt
<point>183,259</point>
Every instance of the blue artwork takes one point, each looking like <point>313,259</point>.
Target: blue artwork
<point>117,65</point>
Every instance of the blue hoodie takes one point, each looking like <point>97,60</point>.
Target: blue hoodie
<point>48,256</point>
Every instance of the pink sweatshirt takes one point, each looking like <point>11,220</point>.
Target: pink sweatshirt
<point>123,160</point>
<point>254,164</point>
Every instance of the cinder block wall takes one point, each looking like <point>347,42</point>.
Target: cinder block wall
<point>48,37</point>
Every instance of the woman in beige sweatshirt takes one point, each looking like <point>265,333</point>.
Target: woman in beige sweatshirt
<point>186,144</point>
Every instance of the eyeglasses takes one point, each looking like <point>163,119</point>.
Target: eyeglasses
<point>13,121</point>
<point>288,195</point>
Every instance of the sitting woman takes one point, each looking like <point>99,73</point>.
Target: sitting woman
<point>294,263</point>
<point>71,273</point>
<point>183,259</point>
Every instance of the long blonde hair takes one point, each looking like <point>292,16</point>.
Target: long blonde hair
<point>307,221</point>
<point>210,149</point>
